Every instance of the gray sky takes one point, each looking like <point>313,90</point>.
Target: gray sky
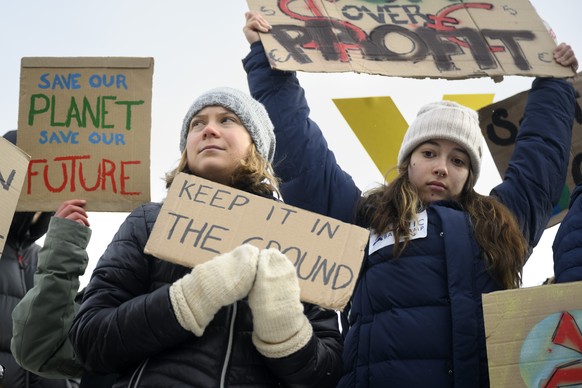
<point>199,45</point>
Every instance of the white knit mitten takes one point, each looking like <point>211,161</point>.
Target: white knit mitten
<point>219,282</point>
<point>279,326</point>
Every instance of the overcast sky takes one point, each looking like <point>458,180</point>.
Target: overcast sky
<point>199,45</point>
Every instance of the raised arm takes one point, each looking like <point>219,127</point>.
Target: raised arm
<point>537,170</point>
<point>311,178</point>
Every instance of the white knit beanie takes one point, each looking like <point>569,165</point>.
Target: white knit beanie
<point>252,114</point>
<point>449,121</point>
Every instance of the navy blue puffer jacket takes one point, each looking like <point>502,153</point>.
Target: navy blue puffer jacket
<point>417,321</point>
<point>567,245</point>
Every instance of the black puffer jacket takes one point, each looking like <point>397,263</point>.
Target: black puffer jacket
<point>127,325</point>
<point>17,266</point>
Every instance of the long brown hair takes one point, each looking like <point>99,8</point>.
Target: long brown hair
<point>391,207</point>
<point>254,174</point>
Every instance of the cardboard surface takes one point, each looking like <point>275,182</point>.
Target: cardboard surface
<point>533,336</point>
<point>86,123</point>
<point>201,219</point>
<point>434,39</point>
<point>500,124</point>
<point>13,165</point>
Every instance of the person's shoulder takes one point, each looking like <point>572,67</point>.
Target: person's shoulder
<point>446,205</point>
<point>147,212</point>
<point>447,211</point>
<point>150,207</point>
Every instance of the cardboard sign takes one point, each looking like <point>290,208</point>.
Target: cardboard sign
<point>201,219</point>
<point>13,165</point>
<point>435,39</point>
<point>534,336</point>
<point>86,123</point>
<point>500,125</point>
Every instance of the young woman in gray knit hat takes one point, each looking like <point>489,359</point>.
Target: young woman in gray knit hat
<point>436,245</point>
<point>236,320</point>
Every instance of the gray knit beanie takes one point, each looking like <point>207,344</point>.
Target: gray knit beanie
<point>252,114</point>
<point>450,121</point>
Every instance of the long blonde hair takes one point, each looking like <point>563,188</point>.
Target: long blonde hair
<point>254,174</point>
<point>391,207</point>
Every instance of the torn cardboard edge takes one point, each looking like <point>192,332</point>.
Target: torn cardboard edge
<point>461,40</point>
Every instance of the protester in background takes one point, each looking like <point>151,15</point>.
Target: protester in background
<point>567,245</point>
<point>43,318</point>
<point>436,245</point>
<point>162,324</point>
<point>17,266</point>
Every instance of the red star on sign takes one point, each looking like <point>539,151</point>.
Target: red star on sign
<point>567,334</point>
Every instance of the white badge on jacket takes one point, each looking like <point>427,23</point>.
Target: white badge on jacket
<point>418,229</point>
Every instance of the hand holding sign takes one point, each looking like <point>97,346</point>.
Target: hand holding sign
<point>74,210</point>
<point>564,55</point>
<point>219,282</point>
<point>279,326</point>
<point>201,218</point>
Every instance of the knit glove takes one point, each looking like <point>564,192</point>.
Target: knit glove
<point>198,296</point>
<point>280,327</point>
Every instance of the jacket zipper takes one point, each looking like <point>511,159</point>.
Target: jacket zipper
<point>22,268</point>
<point>137,374</point>
<point>229,346</point>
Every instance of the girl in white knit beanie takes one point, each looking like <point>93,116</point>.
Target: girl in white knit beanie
<point>415,318</point>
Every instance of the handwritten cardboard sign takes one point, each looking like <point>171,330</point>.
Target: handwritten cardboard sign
<point>500,125</point>
<point>201,219</point>
<point>13,165</point>
<point>86,123</point>
<point>533,336</point>
<point>435,39</point>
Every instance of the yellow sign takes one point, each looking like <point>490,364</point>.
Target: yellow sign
<point>380,127</point>
<point>473,101</point>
